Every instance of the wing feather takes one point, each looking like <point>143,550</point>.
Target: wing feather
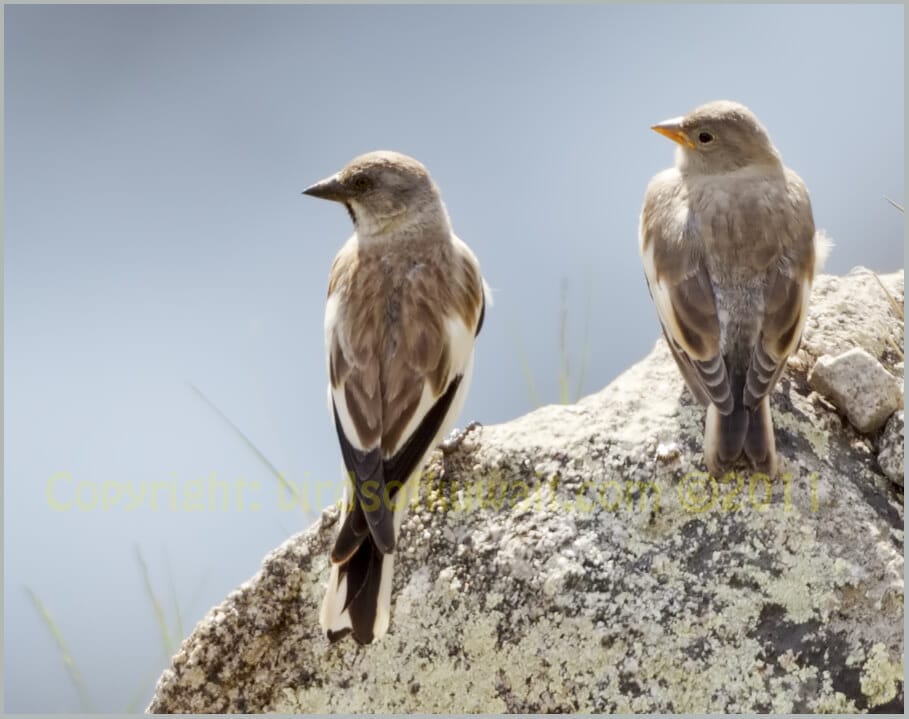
<point>681,290</point>
<point>786,293</point>
<point>395,368</point>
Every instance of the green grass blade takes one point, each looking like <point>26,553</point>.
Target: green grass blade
<point>527,372</point>
<point>171,585</point>
<point>585,347</point>
<point>167,641</point>
<point>897,308</point>
<point>135,702</point>
<point>197,592</point>
<point>564,366</point>
<point>896,204</point>
<point>68,661</point>
<point>248,442</point>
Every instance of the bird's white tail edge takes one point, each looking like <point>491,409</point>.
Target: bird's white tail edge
<point>333,616</point>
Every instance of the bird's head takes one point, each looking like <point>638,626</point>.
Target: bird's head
<point>382,190</point>
<point>719,137</point>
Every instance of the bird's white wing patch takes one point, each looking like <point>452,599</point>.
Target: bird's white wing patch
<point>661,298</point>
<point>460,343</point>
<point>331,319</point>
<point>334,331</point>
<point>805,291</point>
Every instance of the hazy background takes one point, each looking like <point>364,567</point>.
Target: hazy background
<point>155,235</point>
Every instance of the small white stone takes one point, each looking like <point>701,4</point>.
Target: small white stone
<point>859,386</point>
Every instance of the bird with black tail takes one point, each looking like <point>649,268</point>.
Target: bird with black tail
<point>406,301</point>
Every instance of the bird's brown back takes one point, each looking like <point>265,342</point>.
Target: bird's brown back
<point>409,295</point>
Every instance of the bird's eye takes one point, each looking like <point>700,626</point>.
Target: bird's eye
<point>705,138</point>
<point>362,183</point>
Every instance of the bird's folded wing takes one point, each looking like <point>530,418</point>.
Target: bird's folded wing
<point>786,291</point>
<point>393,389</point>
<point>392,473</point>
<point>685,302</point>
<point>785,301</point>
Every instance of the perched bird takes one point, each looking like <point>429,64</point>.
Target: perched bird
<point>729,248</point>
<point>406,301</point>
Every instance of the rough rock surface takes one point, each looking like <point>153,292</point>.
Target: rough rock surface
<point>858,385</point>
<point>577,559</point>
<point>892,444</point>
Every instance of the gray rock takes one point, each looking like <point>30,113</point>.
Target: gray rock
<point>890,455</point>
<point>855,311</point>
<point>859,386</point>
<point>578,559</point>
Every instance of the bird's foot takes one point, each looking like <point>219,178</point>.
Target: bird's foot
<point>456,439</point>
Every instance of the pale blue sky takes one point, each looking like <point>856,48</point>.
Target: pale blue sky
<point>155,234</point>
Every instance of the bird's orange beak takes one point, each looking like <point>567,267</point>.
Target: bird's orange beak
<point>673,130</point>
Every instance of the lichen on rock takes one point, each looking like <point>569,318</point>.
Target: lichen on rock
<point>580,559</point>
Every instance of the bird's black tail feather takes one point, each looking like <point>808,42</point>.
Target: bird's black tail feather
<point>743,431</point>
<point>760,446</point>
<point>358,598</point>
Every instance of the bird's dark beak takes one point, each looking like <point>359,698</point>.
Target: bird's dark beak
<point>673,130</point>
<point>330,188</point>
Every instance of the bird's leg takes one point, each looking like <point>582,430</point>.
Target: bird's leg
<point>456,439</point>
